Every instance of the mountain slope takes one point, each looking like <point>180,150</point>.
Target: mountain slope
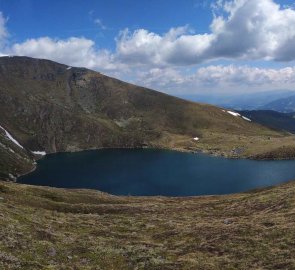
<point>284,105</point>
<point>49,228</point>
<point>51,107</point>
<point>14,160</point>
<point>272,119</point>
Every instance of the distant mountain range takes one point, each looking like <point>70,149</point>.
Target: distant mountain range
<point>285,105</point>
<point>267,100</point>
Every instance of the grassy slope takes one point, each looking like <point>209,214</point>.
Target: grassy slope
<point>273,119</point>
<point>47,228</point>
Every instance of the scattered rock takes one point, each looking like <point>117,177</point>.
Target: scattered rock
<point>51,252</point>
<point>84,261</point>
<point>9,259</point>
<point>238,150</point>
<point>227,221</point>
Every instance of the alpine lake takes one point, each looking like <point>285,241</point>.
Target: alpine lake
<point>149,172</point>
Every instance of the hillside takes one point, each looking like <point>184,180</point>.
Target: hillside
<point>14,160</point>
<point>49,228</point>
<point>272,119</point>
<point>284,105</point>
<point>51,107</point>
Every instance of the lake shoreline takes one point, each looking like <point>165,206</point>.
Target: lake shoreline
<point>177,149</point>
<point>158,169</point>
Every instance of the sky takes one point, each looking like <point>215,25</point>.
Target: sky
<point>178,47</point>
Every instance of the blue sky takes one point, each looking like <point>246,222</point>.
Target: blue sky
<point>174,46</point>
<point>76,17</point>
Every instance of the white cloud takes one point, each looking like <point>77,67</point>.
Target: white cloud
<point>247,76</point>
<point>254,30</point>
<point>218,78</point>
<point>176,47</point>
<point>245,29</point>
<point>74,51</point>
<point>161,78</point>
<point>100,24</point>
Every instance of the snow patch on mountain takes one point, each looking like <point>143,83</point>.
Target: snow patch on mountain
<point>41,153</point>
<point>234,113</point>
<point>9,136</point>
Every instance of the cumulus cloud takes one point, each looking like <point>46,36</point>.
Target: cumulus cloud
<point>167,78</point>
<point>248,76</point>
<point>174,47</point>
<point>218,78</point>
<point>73,51</point>
<point>243,29</point>
<point>253,30</point>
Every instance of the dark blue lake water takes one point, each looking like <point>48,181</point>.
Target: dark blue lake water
<point>156,172</point>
